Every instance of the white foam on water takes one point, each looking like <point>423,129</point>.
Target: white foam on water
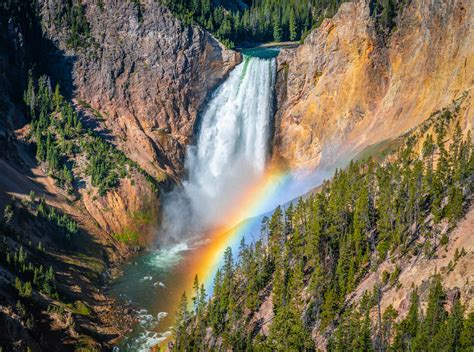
<point>166,257</point>
<point>147,337</point>
<point>145,319</point>
<point>161,315</point>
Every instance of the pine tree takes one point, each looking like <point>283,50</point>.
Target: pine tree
<point>216,309</point>
<point>293,26</point>
<point>29,95</point>
<point>407,329</point>
<point>361,221</point>
<point>40,147</point>
<point>427,154</point>
<point>276,235</point>
<point>182,324</point>
<point>363,341</point>
<point>388,13</point>
<point>196,297</point>
<point>435,314</point>
<point>57,98</point>
<point>8,214</point>
<point>388,322</point>
<point>280,283</point>
<point>329,308</point>
<point>26,290</point>
<point>467,334</point>
<point>454,207</point>
<point>287,332</point>
<point>448,338</point>
<point>277,32</point>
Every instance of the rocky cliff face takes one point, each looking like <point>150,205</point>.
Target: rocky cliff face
<point>146,73</point>
<point>345,88</point>
<point>138,78</point>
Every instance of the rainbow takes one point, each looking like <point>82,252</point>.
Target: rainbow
<point>244,218</point>
<point>240,221</point>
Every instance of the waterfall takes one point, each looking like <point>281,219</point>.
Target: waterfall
<point>230,151</point>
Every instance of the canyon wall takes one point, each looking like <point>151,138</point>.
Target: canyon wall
<point>349,86</point>
<point>146,74</point>
<point>138,78</point>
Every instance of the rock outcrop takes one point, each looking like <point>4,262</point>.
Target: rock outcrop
<point>145,72</point>
<point>347,87</point>
<point>138,78</point>
<point>452,261</point>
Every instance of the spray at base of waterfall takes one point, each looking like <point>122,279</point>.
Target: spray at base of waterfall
<point>230,152</point>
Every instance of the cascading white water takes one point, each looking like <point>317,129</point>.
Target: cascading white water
<point>229,155</point>
<point>231,149</point>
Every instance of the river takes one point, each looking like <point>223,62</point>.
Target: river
<point>227,185</point>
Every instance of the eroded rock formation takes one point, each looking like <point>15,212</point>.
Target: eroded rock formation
<point>146,73</point>
<point>138,78</point>
<point>348,87</point>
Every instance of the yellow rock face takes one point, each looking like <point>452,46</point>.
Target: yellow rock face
<point>347,88</point>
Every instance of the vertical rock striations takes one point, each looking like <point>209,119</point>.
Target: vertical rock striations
<point>145,72</point>
<point>347,87</point>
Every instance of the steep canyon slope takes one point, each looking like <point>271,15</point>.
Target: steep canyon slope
<point>137,78</point>
<point>349,86</point>
<point>147,74</point>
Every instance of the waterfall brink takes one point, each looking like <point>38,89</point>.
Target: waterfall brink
<point>230,152</point>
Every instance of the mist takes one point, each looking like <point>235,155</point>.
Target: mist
<point>229,155</point>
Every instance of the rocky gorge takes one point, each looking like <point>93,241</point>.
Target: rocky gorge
<point>139,78</point>
<point>138,81</point>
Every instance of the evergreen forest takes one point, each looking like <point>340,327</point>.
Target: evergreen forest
<point>314,252</point>
<point>249,22</point>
